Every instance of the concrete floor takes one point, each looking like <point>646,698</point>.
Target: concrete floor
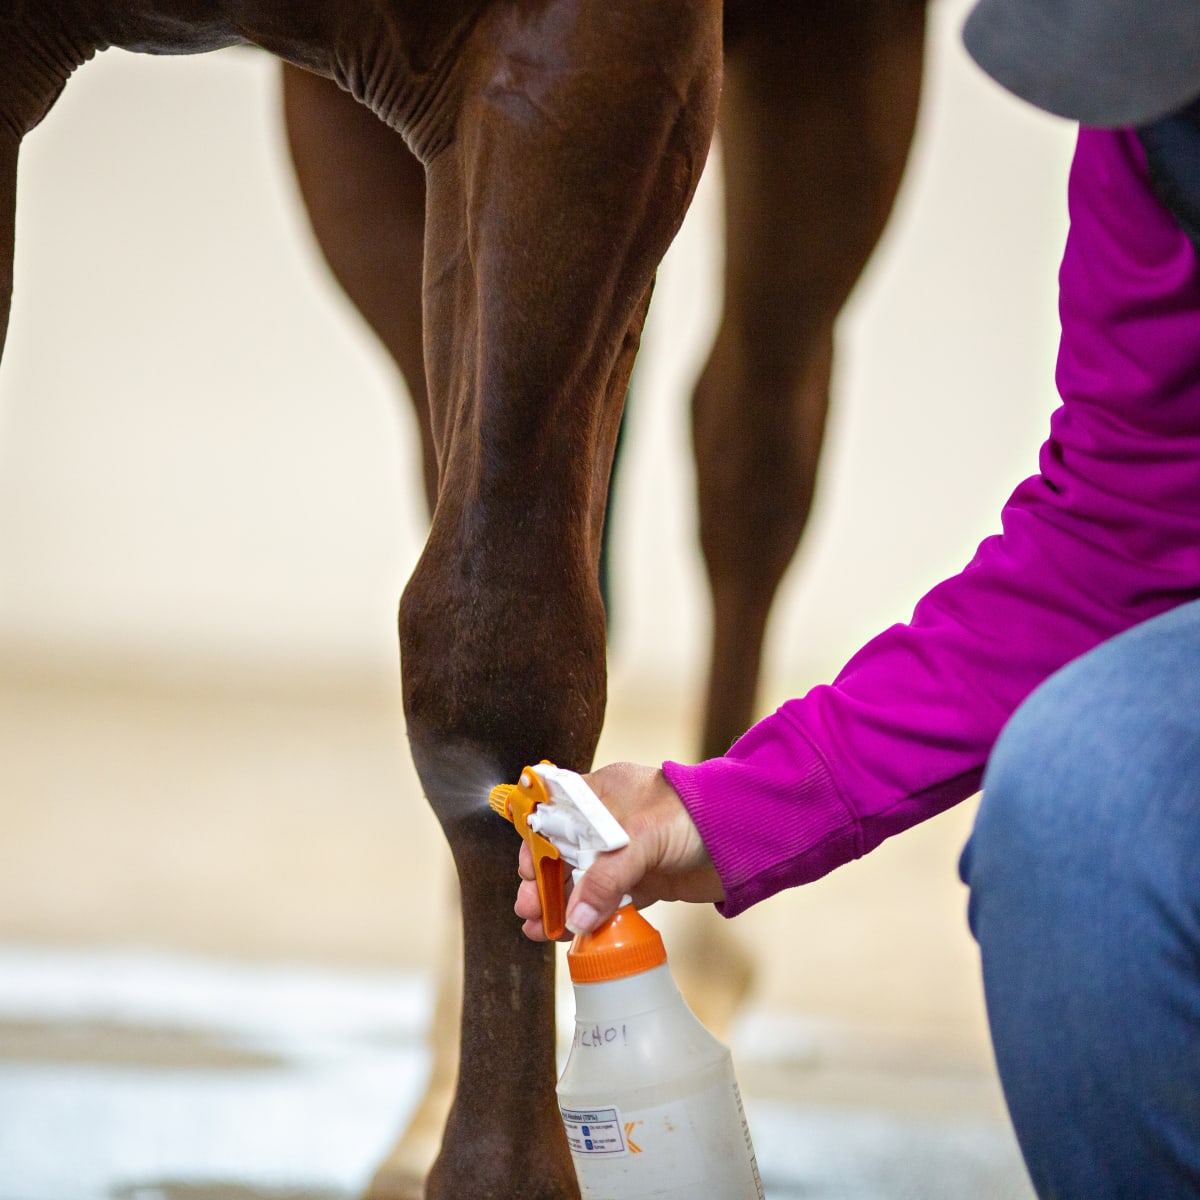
<point>216,958</point>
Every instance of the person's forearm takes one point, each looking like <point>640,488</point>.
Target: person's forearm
<point>1107,535</point>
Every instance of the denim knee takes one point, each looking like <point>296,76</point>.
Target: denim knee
<point>1085,901</point>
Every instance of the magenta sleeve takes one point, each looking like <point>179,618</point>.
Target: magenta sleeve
<point>1106,535</point>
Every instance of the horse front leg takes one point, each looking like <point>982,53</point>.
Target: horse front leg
<point>581,136</point>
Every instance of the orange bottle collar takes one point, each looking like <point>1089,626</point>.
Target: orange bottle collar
<point>626,944</point>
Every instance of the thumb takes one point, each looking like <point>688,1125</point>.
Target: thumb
<point>604,885</point>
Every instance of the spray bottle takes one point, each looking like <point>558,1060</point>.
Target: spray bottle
<point>648,1096</point>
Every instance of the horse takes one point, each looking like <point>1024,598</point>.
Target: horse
<point>494,183</point>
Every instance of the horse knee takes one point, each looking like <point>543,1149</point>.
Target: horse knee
<point>502,665</point>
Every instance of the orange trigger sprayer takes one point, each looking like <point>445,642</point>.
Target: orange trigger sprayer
<point>648,1097</point>
<point>562,821</point>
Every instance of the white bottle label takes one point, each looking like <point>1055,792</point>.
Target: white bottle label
<point>594,1132</point>
<point>684,1149</point>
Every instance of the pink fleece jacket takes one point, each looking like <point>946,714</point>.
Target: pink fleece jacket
<point>1106,535</point>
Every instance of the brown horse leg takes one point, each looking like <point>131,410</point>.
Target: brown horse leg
<point>365,195</point>
<point>579,140</point>
<point>816,120</point>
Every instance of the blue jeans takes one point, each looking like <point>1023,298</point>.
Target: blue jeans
<point>1084,870</point>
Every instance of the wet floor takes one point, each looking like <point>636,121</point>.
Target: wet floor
<point>147,1076</point>
<point>214,984</point>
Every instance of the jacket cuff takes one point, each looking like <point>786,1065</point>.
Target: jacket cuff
<point>769,813</point>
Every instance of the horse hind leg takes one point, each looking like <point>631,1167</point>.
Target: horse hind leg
<point>817,115</point>
<point>364,192</point>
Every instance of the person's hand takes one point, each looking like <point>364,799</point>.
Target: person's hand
<point>665,858</point>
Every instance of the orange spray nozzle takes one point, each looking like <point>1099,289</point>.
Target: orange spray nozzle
<point>564,824</point>
<point>517,802</point>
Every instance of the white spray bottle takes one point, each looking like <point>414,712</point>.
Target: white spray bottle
<point>648,1096</point>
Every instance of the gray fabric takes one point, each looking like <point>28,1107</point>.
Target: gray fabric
<point>1100,62</point>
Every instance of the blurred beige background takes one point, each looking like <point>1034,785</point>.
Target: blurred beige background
<point>209,503</point>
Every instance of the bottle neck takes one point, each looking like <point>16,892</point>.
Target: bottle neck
<point>644,991</point>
